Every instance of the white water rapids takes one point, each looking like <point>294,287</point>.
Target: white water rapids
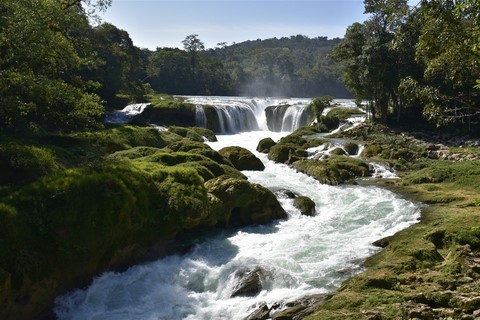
<point>302,255</point>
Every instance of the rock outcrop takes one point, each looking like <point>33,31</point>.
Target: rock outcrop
<point>242,159</point>
<point>237,202</point>
<point>305,205</point>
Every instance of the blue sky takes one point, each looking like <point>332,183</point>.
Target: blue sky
<point>162,23</point>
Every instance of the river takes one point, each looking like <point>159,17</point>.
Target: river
<point>301,255</point>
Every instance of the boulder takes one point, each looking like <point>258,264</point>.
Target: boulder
<point>242,159</point>
<point>335,170</point>
<point>285,194</point>
<point>338,152</point>
<point>248,282</point>
<point>299,309</point>
<point>265,145</point>
<point>286,153</point>
<point>305,205</point>
<point>238,202</point>
<point>261,313</point>
<point>351,148</point>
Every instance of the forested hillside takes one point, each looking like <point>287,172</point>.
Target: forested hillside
<point>295,66</point>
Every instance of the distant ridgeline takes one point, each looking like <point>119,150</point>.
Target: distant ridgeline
<point>296,67</point>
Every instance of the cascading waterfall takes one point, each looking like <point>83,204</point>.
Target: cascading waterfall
<point>292,118</point>
<point>235,114</point>
<point>124,115</point>
<point>300,256</point>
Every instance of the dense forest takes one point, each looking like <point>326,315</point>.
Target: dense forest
<point>295,66</point>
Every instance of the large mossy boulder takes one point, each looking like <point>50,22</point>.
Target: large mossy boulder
<point>168,112</point>
<point>242,159</point>
<point>194,133</point>
<point>351,148</point>
<point>265,145</point>
<point>335,170</point>
<point>237,202</point>
<point>286,153</point>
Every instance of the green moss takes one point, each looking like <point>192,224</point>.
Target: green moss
<point>239,202</point>
<point>460,173</point>
<point>338,152</point>
<point>207,133</point>
<point>193,133</point>
<point>78,219</point>
<point>198,148</point>
<point>344,113</point>
<point>265,145</point>
<point>315,142</point>
<point>21,163</point>
<point>333,171</point>
<point>351,148</point>
<point>120,137</point>
<point>167,111</point>
<point>241,158</point>
<point>286,153</point>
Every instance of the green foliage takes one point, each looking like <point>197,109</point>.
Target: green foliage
<point>396,61</point>
<point>293,66</point>
<point>120,66</point>
<point>319,104</point>
<point>41,74</point>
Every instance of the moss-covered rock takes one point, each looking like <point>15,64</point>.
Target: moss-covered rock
<point>286,153</point>
<point>119,137</point>
<point>242,159</point>
<point>194,133</point>
<point>168,112</point>
<point>338,152</point>
<point>351,148</point>
<point>265,145</point>
<point>305,205</point>
<point>334,171</point>
<point>20,163</point>
<point>199,148</point>
<point>344,113</point>
<point>238,202</point>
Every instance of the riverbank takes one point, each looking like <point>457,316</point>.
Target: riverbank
<point>430,270</point>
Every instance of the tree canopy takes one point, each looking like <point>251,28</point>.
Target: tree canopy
<point>416,60</point>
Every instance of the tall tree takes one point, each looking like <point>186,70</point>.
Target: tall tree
<point>192,44</point>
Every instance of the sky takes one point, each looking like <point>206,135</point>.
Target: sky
<point>162,23</point>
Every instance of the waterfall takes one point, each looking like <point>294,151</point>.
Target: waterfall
<point>238,114</point>
<point>292,118</point>
<point>200,117</point>
<point>126,114</point>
